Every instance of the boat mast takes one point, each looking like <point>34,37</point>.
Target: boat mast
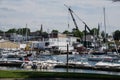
<point>26,32</point>
<point>104,22</point>
<point>105,36</point>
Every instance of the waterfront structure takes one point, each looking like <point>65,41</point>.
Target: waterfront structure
<point>55,42</point>
<point>5,44</point>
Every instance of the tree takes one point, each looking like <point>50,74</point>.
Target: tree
<point>1,31</point>
<point>54,31</point>
<point>45,34</point>
<point>66,32</point>
<point>103,34</point>
<point>94,31</point>
<point>86,32</point>
<point>23,31</point>
<point>77,33</point>
<point>20,31</point>
<point>13,30</point>
<point>116,35</point>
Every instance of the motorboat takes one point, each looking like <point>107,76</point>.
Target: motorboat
<point>109,64</point>
<point>48,64</point>
<point>100,58</point>
<point>10,62</point>
<point>81,62</point>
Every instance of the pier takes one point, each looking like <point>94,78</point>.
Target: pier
<point>89,68</point>
<point>69,66</point>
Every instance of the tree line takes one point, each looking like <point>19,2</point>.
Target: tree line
<point>74,32</point>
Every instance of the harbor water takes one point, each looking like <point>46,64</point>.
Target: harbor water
<point>62,58</point>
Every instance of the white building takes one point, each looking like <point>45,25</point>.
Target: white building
<point>17,38</point>
<point>59,42</point>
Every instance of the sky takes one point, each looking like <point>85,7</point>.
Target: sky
<point>52,14</point>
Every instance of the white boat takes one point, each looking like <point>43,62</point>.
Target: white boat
<point>99,58</point>
<point>37,64</point>
<point>112,54</point>
<point>54,62</point>
<point>27,65</point>
<point>81,62</point>
<point>108,64</point>
<point>46,52</point>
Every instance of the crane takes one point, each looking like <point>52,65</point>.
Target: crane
<point>74,21</point>
<point>86,26</point>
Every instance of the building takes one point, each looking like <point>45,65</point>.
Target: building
<point>5,44</point>
<point>58,42</point>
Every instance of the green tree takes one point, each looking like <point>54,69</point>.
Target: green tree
<point>1,31</point>
<point>45,34</point>
<point>20,31</point>
<point>23,31</point>
<point>86,32</point>
<point>13,30</point>
<point>77,33</point>
<point>116,35</point>
<point>103,34</point>
<point>94,31</point>
<point>54,31</point>
<point>66,32</point>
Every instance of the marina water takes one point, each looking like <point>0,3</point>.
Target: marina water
<point>62,58</point>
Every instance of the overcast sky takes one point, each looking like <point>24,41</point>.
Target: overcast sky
<point>54,15</point>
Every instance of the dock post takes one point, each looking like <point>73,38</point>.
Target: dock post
<point>67,57</point>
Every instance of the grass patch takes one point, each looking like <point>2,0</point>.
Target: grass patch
<point>38,74</point>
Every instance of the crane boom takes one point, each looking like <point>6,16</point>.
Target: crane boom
<point>73,18</point>
<point>71,13</point>
<point>86,26</point>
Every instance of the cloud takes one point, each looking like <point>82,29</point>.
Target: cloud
<point>54,15</point>
<point>115,0</point>
<point>7,9</point>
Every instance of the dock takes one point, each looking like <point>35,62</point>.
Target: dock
<point>113,69</point>
<point>70,66</point>
<point>11,64</point>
